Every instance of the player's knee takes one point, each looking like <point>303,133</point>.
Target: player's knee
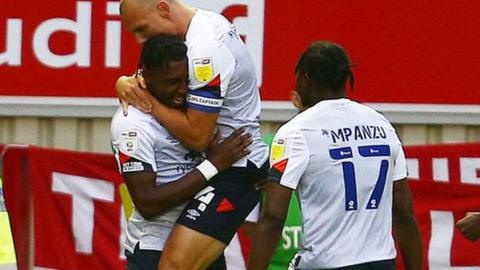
<point>174,262</point>
<point>169,264</point>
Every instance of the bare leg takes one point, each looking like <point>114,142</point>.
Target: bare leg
<point>187,249</point>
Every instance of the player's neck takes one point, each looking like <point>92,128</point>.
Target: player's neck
<point>185,15</point>
<point>317,96</point>
<point>333,96</point>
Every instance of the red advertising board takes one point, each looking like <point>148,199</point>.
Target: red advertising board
<point>407,51</point>
<point>66,209</point>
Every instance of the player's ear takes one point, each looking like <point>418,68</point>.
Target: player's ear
<point>163,8</point>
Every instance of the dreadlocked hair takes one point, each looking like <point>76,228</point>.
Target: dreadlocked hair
<point>326,64</point>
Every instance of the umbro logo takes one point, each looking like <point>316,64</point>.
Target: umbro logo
<point>193,212</point>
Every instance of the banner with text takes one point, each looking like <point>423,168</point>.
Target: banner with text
<point>66,211</point>
<point>403,49</point>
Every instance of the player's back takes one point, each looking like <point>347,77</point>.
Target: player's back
<point>218,59</point>
<point>346,190</point>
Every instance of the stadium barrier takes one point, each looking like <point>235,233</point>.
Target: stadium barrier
<point>66,209</point>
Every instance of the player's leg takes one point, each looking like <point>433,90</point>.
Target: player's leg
<point>188,249</point>
<point>210,221</point>
<point>219,264</point>
<point>194,244</point>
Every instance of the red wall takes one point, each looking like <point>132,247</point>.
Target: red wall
<point>408,51</point>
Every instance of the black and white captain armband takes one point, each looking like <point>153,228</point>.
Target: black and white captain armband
<point>207,169</point>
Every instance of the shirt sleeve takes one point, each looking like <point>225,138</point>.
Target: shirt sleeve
<point>211,67</point>
<point>400,165</point>
<point>133,145</point>
<point>289,157</point>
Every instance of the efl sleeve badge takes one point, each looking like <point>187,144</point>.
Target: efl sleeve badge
<point>203,69</point>
<point>278,149</point>
<point>129,142</point>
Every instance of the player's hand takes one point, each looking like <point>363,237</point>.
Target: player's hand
<point>470,225</point>
<point>132,91</point>
<point>233,148</point>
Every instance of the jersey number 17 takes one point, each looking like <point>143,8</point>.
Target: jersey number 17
<point>349,179</point>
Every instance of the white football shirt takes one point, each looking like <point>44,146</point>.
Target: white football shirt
<point>141,144</point>
<point>223,80</point>
<point>342,157</point>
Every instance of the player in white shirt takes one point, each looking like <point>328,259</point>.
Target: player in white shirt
<point>160,173</point>
<point>223,94</point>
<point>346,163</point>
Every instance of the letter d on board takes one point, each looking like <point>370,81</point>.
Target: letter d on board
<point>81,28</point>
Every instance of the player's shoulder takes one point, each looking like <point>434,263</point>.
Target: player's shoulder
<point>291,128</point>
<point>375,117</point>
<point>368,109</point>
<point>208,24</point>
<point>206,33</point>
<point>133,117</point>
<point>301,118</point>
<point>369,113</point>
<point>134,120</point>
<point>202,28</point>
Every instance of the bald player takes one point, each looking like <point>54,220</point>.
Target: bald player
<point>223,95</point>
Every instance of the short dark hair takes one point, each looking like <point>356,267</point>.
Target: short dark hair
<point>327,65</point>
<point>158,51</point>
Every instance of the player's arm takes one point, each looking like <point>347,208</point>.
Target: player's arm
<point>269,227</point>
<point>211,67</point>
<point>289,157</point>
<point>151,199</point>
<point>407,234</point>
<point>193,128</point>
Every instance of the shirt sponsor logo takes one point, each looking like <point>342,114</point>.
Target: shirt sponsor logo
<point>185,168</point>
<point>171,139</point>
<point>194,156</point>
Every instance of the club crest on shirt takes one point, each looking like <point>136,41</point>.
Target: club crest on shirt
<point>203,69</point>
<point>278,149</point>
<point>129,141</point>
